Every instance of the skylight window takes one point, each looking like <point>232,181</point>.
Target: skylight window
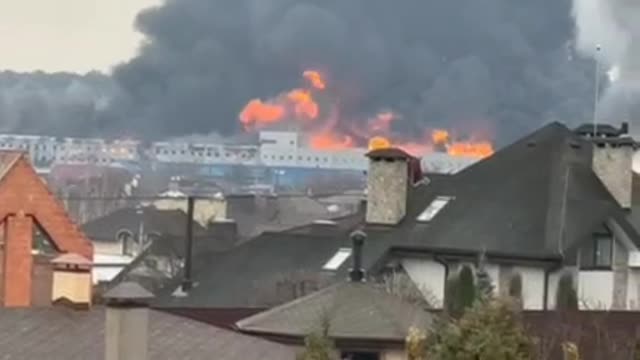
<point>434,208</point>
<point>338,259</point>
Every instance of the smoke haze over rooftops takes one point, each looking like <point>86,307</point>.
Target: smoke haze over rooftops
<point>499,66</point>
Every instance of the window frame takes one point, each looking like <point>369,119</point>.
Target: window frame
<point>597,239</point>
<point>594,260</point>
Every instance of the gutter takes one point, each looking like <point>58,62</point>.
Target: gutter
<point>444,252</point>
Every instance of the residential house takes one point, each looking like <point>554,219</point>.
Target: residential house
<point>364,320</point>
<point>556,202</point>
<point>35,226</point>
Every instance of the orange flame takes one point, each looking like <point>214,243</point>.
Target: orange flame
<point>303,104</point>
<point>440,136</point>
<point>330,141</point>
<point>258,112</point>
<point>315,79</point>
<point>326,132</point>
<point>379,142</point>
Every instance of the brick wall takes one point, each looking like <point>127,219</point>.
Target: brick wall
<point>24,201</point>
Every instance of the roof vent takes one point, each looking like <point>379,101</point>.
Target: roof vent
<point>531,144</point>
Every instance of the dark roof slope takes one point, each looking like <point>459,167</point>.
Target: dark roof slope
<point>351,311</point>
<point>163,222</point>
<point>248,275</point>
<point>536,197</point>
<point>256,214</point>
<point>63,334</point>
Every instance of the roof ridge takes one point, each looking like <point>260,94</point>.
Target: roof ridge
<point>278,309</point>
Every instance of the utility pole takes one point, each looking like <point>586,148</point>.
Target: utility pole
<point>596,90</point>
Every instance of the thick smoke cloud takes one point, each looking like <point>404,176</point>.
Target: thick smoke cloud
<point>59,104</point>
<point>496,65</point>
<point>609,31</point>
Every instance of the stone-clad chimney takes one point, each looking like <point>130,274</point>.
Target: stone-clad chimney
<point>612,158</point>
<point>391,171</point>
<point>127,322</point>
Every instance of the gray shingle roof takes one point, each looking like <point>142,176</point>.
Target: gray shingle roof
<point>248,273</point>
<point>351,311</point>
<point>63,334</point>
<point>536,197</point>
<point>163,222</point>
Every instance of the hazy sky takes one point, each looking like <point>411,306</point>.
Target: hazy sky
<point>67,35</point>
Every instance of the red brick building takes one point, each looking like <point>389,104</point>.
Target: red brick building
<point>27,204</point>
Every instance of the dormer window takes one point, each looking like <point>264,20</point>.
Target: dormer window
<point>434,208</point>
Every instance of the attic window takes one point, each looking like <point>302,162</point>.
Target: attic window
<point>434,208</point>
<point>338,259</point>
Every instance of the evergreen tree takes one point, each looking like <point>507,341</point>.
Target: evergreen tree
<point>415,344</point>
<point>484,283</point>
<point>318,345</point>
<point>566,297</point>
<point>490,330</point>
<point>515,287</point>
<point>461,292</point>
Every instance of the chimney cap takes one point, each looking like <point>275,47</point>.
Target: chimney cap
<point>128,292</point>
<point>71,259</point>
<point>389,153</point>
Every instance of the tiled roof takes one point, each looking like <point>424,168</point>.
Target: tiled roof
<point>7,159</point>
<point>63,334</point>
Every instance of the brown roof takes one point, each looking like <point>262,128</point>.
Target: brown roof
<point>7,159</point>
<point>63,334</point>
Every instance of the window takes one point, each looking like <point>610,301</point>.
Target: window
<point>434,208</point>
<point>597,253</point>
<point>338,259</point>
<point>603,251</point>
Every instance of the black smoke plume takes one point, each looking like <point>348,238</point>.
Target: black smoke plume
<point>506,66</point>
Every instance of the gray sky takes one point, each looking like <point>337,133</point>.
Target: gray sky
<point>67,35</point>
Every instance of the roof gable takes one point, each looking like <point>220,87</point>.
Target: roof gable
<point>22,191</point>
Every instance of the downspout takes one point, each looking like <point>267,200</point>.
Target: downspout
<point>547,273</point>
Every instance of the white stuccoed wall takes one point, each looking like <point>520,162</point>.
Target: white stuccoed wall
<point>532,287</point>
<point>429,276</point>
<point>595,290</point>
